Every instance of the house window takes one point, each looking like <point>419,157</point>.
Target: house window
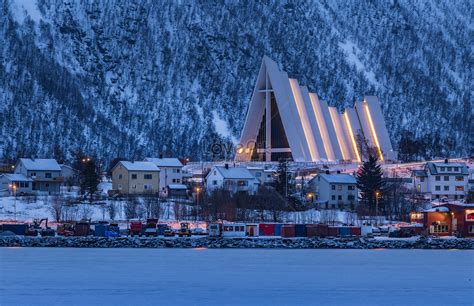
<point>119,186</point>
<point>178,181</point>
<point>178,170</point>
<point>242,183</point>
<point>443,168</point>
<point>339,197</point>
<point>350,197</point>
<point>456,169</point>
<point>258,174</point>
<point>470,229</point>
<point>333,197</point>
<point>459,188</point>
<point>333,187</point>
<point>134,187</point>
<point>339,187</point>
<point>459,178</point>
<point>33,173</point>
<point>438,178</point>
<point>134,176</point>
<point>148,176</point>
<point>437,188</point>
<point>214,183</point>
<point>120,176</point>
<point>174,180</point>
<point>440,228</point>
<point>350,187</point>
<point>446,178</point>
<point>422,179</point>
<point>47,175</point>
<point>446,188</point>
<point>450,169</point>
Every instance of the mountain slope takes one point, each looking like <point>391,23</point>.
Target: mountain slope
<point>135,79</point>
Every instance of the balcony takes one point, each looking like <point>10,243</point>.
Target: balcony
<point>57,179</point>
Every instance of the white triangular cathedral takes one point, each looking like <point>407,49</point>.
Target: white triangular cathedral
<point>285,120</point>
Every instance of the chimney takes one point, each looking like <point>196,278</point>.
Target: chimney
<point>446,160</point>
<point>327,171</point>
<point>161,155</point>
<point>226,166</point>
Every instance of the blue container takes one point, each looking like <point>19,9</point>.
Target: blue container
<point>100,230</point>
<point>278,229</point>
<point>17,229</point>
<point>345,231</point>
<point>300,230</point>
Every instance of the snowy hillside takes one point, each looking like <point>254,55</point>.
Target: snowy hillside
<point>136,79</point>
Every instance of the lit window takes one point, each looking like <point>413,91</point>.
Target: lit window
<point>459,178</point>
<point>459,188</point>
<point>440,228</point>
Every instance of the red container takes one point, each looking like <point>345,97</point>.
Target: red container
<point>311,230</point>
<point>82,229</point>
<point>355,231</point>
<point>333,231</point>
<point>322,230</point>
<point>266,229</point>
<point>287,231</point>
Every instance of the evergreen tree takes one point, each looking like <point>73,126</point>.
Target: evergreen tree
<point>89,177</point>
<point>370,183</point>
<point>282,184</point>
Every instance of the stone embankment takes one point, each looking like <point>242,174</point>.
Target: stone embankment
<point>206,242</point>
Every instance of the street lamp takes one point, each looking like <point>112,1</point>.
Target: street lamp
<point>13,187</point>
<point>198,190</point>
<point>377,193</point>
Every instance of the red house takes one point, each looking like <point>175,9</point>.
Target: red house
<point>450,219</point>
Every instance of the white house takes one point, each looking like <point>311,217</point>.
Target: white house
<point>171,171</point>
<point>443,180</point>
<point>337,190</point>
<point>45,173</point>
<point>16,183</point>
<point>234,179</point>
<point>265,176</point>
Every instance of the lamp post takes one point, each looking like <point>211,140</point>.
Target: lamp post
<point>198,190</point>
<point>377,193</point>
<point>13,187</point>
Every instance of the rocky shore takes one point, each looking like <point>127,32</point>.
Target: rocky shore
<point>205,242</point>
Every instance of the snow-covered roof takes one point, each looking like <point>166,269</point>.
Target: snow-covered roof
<point>165,162</point>
<point>40,164</point>
<point>438,209</point>
<point>433,168</point>
<point>14,177</point>
<point>234,172</point>
<point>339,178</point>
<point>419,173</point>
<point>139,166</point>
<point>177,186</point>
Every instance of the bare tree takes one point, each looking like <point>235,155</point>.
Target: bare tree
<point>86,212</point>
<point>131,208</point>
<point>56,207</point>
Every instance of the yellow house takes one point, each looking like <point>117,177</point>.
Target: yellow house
<point>139,177</point>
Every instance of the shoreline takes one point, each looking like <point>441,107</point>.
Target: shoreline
<point>242,243</point>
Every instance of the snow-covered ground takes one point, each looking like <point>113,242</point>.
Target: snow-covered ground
<point>35,276</point>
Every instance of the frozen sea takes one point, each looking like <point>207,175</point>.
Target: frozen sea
<point>63,276</point>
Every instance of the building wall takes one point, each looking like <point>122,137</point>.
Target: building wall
<point>451,183</point>
<point>170,175</point>
<point>441,218</point>
<point>124,181</point>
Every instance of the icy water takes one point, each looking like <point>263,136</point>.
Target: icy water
<point>55,276</point>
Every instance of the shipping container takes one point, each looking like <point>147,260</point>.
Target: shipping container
<point>344,231</point>
<point>82,229</point>
<point>100,229</point>
<point>266,229</point>
<point>333,231</point>
<point>300,230</point>
<point>322,230</point>
<point>17,229</point>
<point>311,231</point>
<point>287,230</point>
<point>278,229</point>
<point>355,231</point>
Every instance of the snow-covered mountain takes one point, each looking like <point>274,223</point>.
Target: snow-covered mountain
<point>139,78</point>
